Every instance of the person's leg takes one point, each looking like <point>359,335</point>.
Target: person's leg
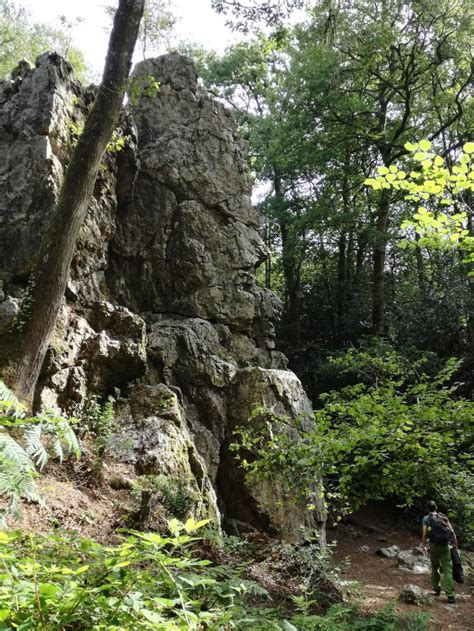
<point>435,563</point>
<point>447,569</point>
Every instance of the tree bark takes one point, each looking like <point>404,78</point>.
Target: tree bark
<point>291,271</point>
<point>380,249</point>
<point>341,289</point>
<point>52,269</point>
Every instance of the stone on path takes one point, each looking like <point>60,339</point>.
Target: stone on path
<point>412,595</point>
<point>389,553</point>
<point>414,561</point>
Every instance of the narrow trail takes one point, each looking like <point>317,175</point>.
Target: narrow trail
<point>382,580</point>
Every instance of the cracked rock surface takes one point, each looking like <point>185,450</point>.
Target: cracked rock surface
<point>162,302</point>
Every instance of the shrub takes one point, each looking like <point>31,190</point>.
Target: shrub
<point>396,433</point>
<point>173,493</point>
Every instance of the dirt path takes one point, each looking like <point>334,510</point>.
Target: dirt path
<point>383,580</point>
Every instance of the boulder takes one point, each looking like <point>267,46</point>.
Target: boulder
<point>414,561</point>
<point>154,437</point>
<point>412,595</point>
<point>266,504</point>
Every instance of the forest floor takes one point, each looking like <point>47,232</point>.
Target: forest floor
<point>381,579</point>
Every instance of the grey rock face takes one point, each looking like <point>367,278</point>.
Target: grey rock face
<point>41,112</point>
<point>192,205</point>
<point>102,349</point>
<point>162,285</point>
<point>9,308</point>
<point>34,144</point>
<point>154,436</point>
<point>266,502</point>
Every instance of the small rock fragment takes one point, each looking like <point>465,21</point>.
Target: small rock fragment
<point>388,553</point>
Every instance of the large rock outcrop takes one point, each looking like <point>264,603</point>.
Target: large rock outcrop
<point>162,301</point>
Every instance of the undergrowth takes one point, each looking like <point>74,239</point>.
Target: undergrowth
<point>61,582</point>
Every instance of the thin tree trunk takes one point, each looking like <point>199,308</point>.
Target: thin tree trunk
<point>350,256</point>
<point>380,249</point>
<point>470,298</point>
<point>360,255</point>
<point>291,271</point>
<point>53,265</point>
<point>420,268</point>
<point>341,283</point>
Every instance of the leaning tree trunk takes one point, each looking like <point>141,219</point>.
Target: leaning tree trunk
<point>51,272</point>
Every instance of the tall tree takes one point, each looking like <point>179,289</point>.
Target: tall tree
<point>156,26</point>
<point>345,92</point>
<point>22,38</point>
<point>51,272</point>
<point>400,69</point>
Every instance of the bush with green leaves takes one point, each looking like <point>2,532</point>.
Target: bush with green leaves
<point>26,445</point>
<point>394,433</point>
<point>173,492</point>
<point>98,419</point>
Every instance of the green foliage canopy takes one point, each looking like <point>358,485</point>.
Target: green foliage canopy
<point>20,38</point>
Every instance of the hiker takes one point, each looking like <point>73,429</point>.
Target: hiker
<point>440,533</point>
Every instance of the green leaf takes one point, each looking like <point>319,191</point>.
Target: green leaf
<point>4,613</point>
<point>49,589</point>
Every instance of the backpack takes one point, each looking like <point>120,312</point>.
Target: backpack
<point>438,530</point>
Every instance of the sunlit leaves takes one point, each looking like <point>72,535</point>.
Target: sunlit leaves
<point>432,181</point>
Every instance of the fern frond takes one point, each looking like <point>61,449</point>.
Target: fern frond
<point>69,438</point>
<point>34,446</point>
<point>58,449</point>
<point>11,451</point>
<point>64,436</point>
<point>18,485</point>
<point>9,404</point>
<point>17,476</point>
